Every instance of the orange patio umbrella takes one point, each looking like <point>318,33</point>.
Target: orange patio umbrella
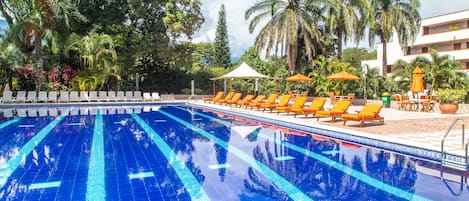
<point>298,78</point>
<point>343,76</point>
<point>417,81</point>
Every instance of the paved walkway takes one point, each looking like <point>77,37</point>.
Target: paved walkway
<point>420,129</point>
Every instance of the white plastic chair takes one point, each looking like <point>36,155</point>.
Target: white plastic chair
<point>103,96</point>
<point>93,96</point>
<point>137,96</point>
<point>146,96</point>
<point>84,96</point>
<point>42,96</point>
<point>155,96</point>
<point>52,97</point>
<point>20,96</point>
<point>111,96</point>
<point>8,97</point>
<point>64,96</point>
<point>128,95</point>
<point>31,96</point>
<point>121,96</point>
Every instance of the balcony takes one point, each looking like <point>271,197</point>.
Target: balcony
<point>459,35</point>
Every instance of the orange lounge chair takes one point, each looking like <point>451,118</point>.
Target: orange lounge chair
<point>336,111</point>
<point>259,99</point>
<point>235,99</point>
<point>270,100</point>
<point>247,98</point>
<point>215,98</point>
<point>283,102</point>
<point>228,96</point>
<point>316,105</point>
<point>368,113</point>
<point>298,103</point>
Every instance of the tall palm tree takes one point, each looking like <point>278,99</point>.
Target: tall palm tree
<point>34,20</point>
<point>343,19</point>
<point>290,21</point>
<point>387,17</point>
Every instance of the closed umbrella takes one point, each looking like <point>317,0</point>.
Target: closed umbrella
<point>417,84</point>
<point>417,81</point>
<point>343,76</point>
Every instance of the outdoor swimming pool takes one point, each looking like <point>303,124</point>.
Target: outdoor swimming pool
<point>171,152</point>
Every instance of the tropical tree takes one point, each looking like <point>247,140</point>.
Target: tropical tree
<point>404,71</point>
<point>97,59</point>
<point>442,72</point>
<point>343,19</point>
<point>386,17</point>
<point>8,57</point>
<point>291,21</point>
<point>34,20</point>
<point>222,47</point>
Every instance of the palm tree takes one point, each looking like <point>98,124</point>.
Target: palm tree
<point>387,17</point>
<point>443,72</point>
<point>342,19</point>
<point>34,20</point>
<point>404,71</point>
<point>290,21</point>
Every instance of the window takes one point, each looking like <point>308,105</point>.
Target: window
<point>408,52</point>
<point>426,30</point>
<point>467,65</point>
<point>388,69</point>
<point>457,46</point>
<point>467,45</point>
<point>424,49</point>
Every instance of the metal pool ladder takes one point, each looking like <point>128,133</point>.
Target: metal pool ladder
<point>450,162</point>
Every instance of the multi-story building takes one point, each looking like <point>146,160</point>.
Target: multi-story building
<point>447,34</point>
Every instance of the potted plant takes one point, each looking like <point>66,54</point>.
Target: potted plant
<point>449,99</point>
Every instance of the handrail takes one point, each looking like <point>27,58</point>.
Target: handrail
<point>446,135</point>
<point>463,146</point>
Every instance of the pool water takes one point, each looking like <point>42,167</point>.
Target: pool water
<point>171,152</point>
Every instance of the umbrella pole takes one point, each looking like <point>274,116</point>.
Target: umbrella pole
<point>342,93</point>
<point>276,86</point>
<point>231,85</point>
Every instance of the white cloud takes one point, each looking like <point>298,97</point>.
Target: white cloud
<point>241,39</point>
<point>238,31</point>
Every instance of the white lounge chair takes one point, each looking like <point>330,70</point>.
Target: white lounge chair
<point>84,96</point>
<point>20,96</point>
<point>137,96</point>
<point>155,96</point>
<point>52,97</point>
<point>64,96</point>
<point>111,96</point>
<point>32,112</point>
<point>103,96</point>
<point>8,97</point>
<point>73,97</point>
<point>93,96</point>
<point>129,95</point>
<point>31,96</point>
<point>146,96</point>
<point>121,96</point>
<point>42,96</point>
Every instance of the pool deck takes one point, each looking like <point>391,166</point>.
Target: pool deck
<point>418,129</point>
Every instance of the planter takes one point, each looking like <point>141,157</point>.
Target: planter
<point>449,108</point>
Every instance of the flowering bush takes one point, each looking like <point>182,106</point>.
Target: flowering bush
<point>26,78</point>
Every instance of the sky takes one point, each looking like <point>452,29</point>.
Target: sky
<point>240,39</point>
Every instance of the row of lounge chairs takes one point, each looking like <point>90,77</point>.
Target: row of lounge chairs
<point>75,96</point>
<point>316,108</point>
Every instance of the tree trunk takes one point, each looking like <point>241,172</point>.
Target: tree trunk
<point>292,53</point>
<point>339,43</point>
<point>385,57</point>
<point>39,60</point>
